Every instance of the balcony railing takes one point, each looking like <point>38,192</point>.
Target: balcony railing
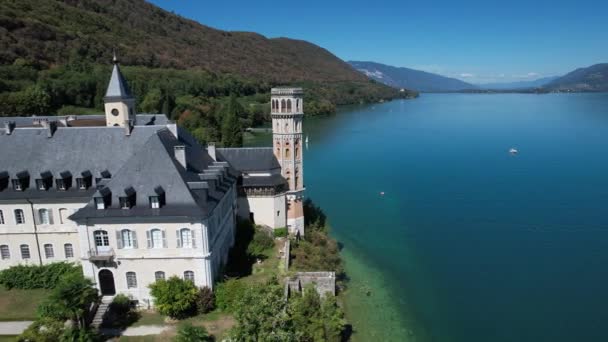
<point>101,255</point>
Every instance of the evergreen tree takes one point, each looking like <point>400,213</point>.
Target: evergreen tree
<point>232,135</point>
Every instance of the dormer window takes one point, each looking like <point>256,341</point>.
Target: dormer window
<point>154,202</point>
<point>22,182</point>
<point>17,186</point>
<point>125,202</point>
<point>40,184</point>
<point>65,182</point>
<point>158,199</point>
<point>100,204</point>
<point>3,180</point>
<point>85,181</point>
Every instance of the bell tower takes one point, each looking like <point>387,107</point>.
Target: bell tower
<point>287,114</point>
<point>119,103</point>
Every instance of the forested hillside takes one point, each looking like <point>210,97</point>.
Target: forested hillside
<point>55,57</point>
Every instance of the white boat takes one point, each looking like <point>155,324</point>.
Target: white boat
<point>513,151</point>
<point>307,139</point>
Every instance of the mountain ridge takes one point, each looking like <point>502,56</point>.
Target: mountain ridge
<point>401,77</point>
<point>593,78</point>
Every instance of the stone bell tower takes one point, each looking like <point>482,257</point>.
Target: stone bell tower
<point>119,103</point>
<point>287,114</point>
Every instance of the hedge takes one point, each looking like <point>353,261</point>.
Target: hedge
<point>35,276</point>
<point>280,232</point>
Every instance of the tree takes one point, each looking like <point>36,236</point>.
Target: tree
<point>74,294</point>
<point>232,135</point>
<point>153,101</point>
<point>174,297</point>
<point>261,316</point>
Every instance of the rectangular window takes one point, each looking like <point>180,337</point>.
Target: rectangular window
<point>69,250</point>
<point>19,216</point>
<point>1,217</point>
<point>159,275</point>
<point>125,202</point>
<point>25,251</point>
<point>4,252</point>
<point>131,280</point>
<point>48,251</point>
<point>81,183</point>
<point>40,184</point>
<point>44,216</point>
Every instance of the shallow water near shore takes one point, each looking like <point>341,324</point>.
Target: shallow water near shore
<point>469,242</point>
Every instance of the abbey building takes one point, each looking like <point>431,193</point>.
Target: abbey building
<point>134,198</point>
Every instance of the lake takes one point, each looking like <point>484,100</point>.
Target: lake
<point>469,242</point>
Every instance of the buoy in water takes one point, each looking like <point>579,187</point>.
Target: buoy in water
<point>381,193</point>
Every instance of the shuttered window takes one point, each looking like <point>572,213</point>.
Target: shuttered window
<point>156,238</point>
<point>5,252</point>
<point>19,216</point>
<point>69,250</point>
<point>25,251</point>
<point>131,280</point>
<point>48,251</point>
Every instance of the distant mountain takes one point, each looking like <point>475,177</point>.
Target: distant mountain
<point>410,78</point>
<point>593,78</point>
<point>519,85</point>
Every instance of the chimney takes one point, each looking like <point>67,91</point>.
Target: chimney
<point>9,127</point>
<point>180,154</point>
<point>51,127</point>
<point>211,150</point>
<point>128,127</point>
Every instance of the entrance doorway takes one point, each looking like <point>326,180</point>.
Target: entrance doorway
<point>106,283</point>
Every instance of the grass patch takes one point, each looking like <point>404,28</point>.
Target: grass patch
<point>8,338</point>
<point>149,318</point>
<point>20,305</point>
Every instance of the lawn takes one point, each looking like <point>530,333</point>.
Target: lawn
<point>20,305</point>
<point>7,338</point>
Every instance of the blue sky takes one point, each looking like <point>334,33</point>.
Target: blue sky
<point>476,41</point>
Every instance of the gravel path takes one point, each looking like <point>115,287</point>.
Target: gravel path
<point>13,328</point>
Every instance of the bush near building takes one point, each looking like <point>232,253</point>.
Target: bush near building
<point>37,276</point>
<point>174,297</point>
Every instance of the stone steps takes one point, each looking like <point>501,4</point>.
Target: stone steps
<point>102,309</point>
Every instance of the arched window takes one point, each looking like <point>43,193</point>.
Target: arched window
<point>101,238</point>
<point>63,215</point>
<point>25,252</point>
<point>1,217</point>
<point>288,106</point>
<point>298,105</point>
<point>156,238</point>
<point>48,251</point>
<point>4,252</point>
<point>189,275</point>
<point>287,155</point>
<point>127,239</point>
<point>44,216</point>
<point>131,280</point>
<point>283,106</point>
<point>185,238</point>
<point>19,216</point>
<point>159,275</point>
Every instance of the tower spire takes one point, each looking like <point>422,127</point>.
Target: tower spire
<point>119,102</point>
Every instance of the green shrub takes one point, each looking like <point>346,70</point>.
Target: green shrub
<point>51,309</point>
<point>73,295</point>
<point>121,304</point>
<point>228,293</point>
<point>174,297</point>
<point>37,276</point>
<point>280,232</point>
<point>42,330</point>
<point>205,300</point>
<point>189,333</point>
<point>262,242</point>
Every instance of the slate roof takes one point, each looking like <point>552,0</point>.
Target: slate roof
<point>82,120</point>
<point>249,159</point>
<point>141,162</point>
<point>118,89</point>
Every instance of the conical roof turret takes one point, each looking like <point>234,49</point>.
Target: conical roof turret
<point>118,87</point>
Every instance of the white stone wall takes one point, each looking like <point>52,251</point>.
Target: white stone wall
<point>36,235</point>
<point>267,210</point>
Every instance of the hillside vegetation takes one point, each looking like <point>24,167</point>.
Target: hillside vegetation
<point>55,59</point>
<point>593,78</point>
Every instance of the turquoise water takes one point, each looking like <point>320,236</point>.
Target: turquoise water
<point>469,243</point>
